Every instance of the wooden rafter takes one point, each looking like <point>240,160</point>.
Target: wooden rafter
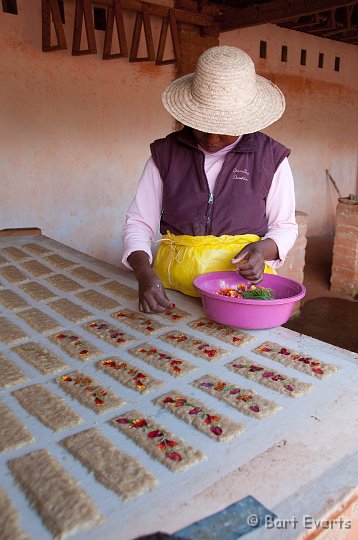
<point>115,15</point>
<point>50,8</point>
<point>276,11</point>
<point>83,12</point>
<point>172,23</point>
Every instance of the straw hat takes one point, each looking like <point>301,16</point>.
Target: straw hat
<point>224,95</point>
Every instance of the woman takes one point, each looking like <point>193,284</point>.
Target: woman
<point>221,191</point>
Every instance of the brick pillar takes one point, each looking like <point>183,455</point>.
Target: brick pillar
<point>295,261</point>
<point>193,41</point>
<point>344,277</point>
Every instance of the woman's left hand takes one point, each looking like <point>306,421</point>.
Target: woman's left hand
<point>250,262</point>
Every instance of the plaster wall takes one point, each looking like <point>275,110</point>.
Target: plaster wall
<point>75,132</point>
<point>321,117</point>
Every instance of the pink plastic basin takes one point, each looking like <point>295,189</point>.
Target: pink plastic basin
<point>244,313</point>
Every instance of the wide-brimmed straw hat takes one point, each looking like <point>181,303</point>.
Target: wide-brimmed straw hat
<point>224,95</point>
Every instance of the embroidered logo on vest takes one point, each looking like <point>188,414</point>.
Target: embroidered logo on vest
<point>240,174</point>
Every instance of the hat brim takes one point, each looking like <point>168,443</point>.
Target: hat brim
<point>267,106</point>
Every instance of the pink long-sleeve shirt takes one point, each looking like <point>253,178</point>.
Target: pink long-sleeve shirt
<point>143,216</point>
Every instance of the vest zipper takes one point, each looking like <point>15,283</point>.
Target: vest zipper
<point>211,196</point>
<point>208,219</point>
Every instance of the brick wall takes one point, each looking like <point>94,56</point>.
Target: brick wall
<point>193,41</point>
<point>344,277</point>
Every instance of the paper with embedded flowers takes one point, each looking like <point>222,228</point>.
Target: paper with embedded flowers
<point>247,401</point>
<point>89,392</point>
<point>162,360</point>
<point>76,346</point>
<point>269,377</point>
<point>158,441</point>
<point>220,331</point>
<point>129,375</point>
<point>138,321</point>
<point>300,361</point>
<point>194,412</point>
<point>109,332</point>
<point>194,345</point>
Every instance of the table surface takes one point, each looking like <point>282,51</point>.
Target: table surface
<point>301,461</point>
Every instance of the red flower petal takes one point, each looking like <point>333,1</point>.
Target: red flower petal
<point>195,411</point>
<point>170,443</point>
<point>122,420</point>
<point>155,433</point>
<point>139,423</point>
<point>255,408</point>
<point>110,363</point>
<point>174,456</point>
<point>211,352</point>
<point>216,430</point>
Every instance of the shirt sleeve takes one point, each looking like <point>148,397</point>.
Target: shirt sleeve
<point>143,216</point>
<point>280,212</point>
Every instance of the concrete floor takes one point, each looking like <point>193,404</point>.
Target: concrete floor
<point>324,315</point>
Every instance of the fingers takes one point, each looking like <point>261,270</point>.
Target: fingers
<point>256,281</point>
<point>154,301</point>
<point>239,258</point>
<point>252,270</point>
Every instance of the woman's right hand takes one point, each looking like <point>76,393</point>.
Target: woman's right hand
<point>152,296</point>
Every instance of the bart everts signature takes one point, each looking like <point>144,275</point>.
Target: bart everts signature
<point>308,522</point>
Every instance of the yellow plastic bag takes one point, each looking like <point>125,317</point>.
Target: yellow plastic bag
<point>182,258</point>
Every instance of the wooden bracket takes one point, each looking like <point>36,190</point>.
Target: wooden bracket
<point>115,13</point>
<point>83,11</point>
<point>50,7</point>
<point>142,18</point>
<point>169,21</point>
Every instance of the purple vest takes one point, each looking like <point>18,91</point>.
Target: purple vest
<point>238,204</point>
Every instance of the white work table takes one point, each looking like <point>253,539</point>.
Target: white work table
<point>301,461</point>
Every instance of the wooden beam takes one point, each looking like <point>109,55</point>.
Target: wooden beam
<point>276,11</point>
<point>336,32</point>
<point>27,231</point>
<point>181,16</point>
<point>319,25</point>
